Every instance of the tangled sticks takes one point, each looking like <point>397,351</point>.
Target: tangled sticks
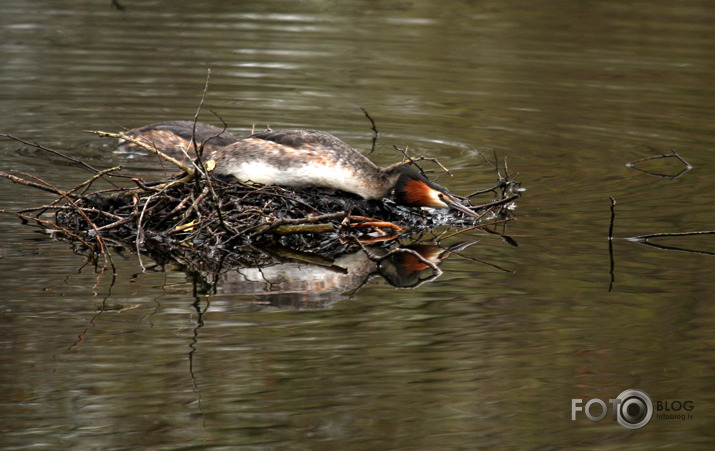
<point>201,221</point>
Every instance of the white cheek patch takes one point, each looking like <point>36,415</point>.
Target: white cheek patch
<point>436,201</point>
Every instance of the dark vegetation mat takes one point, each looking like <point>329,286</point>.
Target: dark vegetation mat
<point>206,223</point>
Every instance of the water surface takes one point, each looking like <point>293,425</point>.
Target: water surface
<point>487,354</point>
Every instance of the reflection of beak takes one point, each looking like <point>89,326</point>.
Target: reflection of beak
<point>457,205</point>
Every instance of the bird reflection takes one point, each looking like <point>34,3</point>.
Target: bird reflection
<point>301,284</point>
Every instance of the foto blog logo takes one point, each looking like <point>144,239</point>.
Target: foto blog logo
<point>632,409</point>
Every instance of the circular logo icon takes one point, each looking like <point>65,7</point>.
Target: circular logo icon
<point>635,409</point>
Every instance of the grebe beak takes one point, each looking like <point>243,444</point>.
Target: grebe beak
<point>451,202</point>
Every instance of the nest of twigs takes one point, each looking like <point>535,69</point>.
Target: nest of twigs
<point>205,223</point>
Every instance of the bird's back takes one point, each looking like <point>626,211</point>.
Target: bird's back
<point>302,158</point>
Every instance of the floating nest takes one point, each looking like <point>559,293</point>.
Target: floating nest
<point>206,223</point>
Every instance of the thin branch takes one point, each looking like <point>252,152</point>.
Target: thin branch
<point>372,122</point>
<point>268,227</point>
<point>86,184</point>
<point>151,149</point>
<point>613,217</point>
<point>674,248</point>
<point>196,118</point>
<point>199,165</point>
<point>38,146</point>
<point>675,154</point>
<point>414,161</point>
<point>500,184</point>
<point>139,240</point>
<point>644,238</point>
<point>90,223</point>
<point>50,225</point>
<point>482,262</point>
<point>478,226</point>
<point>118,6</point>
<point>22,181</point>
<point>379,258</point>
<point>505,200</point>
<point>374,130</point>
<point>610,245</point>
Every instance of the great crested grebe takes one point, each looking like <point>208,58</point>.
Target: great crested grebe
<point>173,136</point>
<point>314,158</point>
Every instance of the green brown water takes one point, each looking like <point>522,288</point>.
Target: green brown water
<point>569,92</point>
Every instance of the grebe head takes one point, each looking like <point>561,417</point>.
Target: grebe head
<point>415,190</point>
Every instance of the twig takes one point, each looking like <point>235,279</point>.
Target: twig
<point>180,206</point>
<point>98,235</point>
<point>374,129</point>
<point>268,227</point>
<point>443,237</point>
<point>437,162</point>
<point>199,165</point>
<point>613,217</point>
<point>85,184</point>
<point>54,152</point>
<point>414,161</point>
<point>372,122</point>
<point>194,206</point>
<point>68,198</point>
<point>139,240</point>
<point>500,184</point>
<point>675,154</point>
<point>49,224</point>
<point>287,229</point>
<point>478,226</point>
<point>482,262</point>
<point>151,149</point>
<point>312,219</point>
<point>496,202</point>
<point>486,160</point>
<point>610,245</point>
<point>379,258</point>
<point>143,187</point>
<point>196,118</point>
<point>505,238</point>
<point>22,181</point>
<point>96,176</point>
<point>645,238</point>
<point>408,158</point>
<point>116,224</point>
<point>496,159</point>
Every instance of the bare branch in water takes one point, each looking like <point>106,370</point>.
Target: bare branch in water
<point>674,154</point>
<point>21,181</point>
<point>76,161</point>
<point>645,239</point>
<point>610,244</point>
<point>374,130</point>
